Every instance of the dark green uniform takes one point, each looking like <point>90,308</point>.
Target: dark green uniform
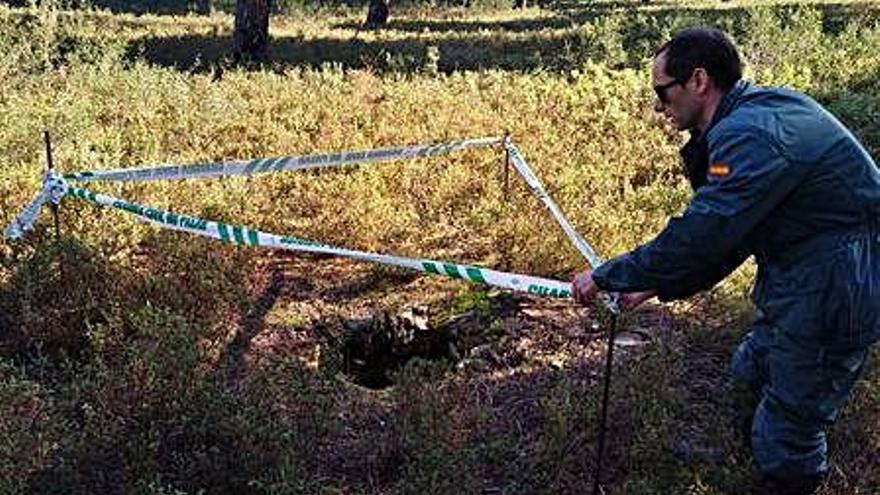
<point>787,183</point>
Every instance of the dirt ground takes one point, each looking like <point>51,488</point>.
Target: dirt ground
<point>512,352</point>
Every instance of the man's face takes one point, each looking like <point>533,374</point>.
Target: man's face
<point>674,99</point>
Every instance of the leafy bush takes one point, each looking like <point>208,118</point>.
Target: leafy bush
<point>149,415</point>
<point>30,428</point>
<point>54,296</point>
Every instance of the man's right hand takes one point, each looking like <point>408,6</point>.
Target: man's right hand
<point>583,289</point>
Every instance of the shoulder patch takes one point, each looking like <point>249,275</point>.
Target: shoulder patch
<point>719,169</point>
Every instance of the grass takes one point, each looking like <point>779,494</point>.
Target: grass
<point>159,363</point>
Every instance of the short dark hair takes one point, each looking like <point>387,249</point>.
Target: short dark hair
<point>703,47</point>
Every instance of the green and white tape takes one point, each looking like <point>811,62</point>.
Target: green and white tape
<point>247,236</point>
<point>266,165</point>
<point>55,187</point>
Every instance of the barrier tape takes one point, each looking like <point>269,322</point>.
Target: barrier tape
<point>610,300</point>
<point>538,190</point>
<point>55,187</point>
<point>266,165</point>
<point>24,222</point>
<point>246,236</point>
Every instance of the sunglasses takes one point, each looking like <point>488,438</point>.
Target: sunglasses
<point>660,89</point>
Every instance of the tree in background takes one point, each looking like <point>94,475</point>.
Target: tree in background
<point>251,38</point>
<point>377,15</point>
<point>205,7</point>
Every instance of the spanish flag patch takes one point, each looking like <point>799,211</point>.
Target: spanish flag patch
<point>719,169</point>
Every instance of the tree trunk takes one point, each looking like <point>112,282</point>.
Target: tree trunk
<point>377,15</point>
<point>519,4</point>
<point>251,39</point>
<point>205,7</point>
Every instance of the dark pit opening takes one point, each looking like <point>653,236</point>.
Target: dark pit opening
<point>373,349</point>
<point>370,351</point>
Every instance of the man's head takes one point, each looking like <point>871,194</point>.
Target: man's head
<point>691,73</point>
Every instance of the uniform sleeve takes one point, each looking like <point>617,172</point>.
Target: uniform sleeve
<point>748,177</point>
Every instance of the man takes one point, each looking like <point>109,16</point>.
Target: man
<point>777,177</point>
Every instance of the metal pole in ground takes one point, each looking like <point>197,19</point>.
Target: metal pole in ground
<point>505,172</point>
<point>608,300</point>
<point>603,414</point>
<point>506,168</point>
<point>51,166</point>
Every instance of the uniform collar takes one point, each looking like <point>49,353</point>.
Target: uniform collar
<point>695,154</point>
<point>728,103</point>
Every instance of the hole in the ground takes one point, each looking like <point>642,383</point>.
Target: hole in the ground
<point>373,349</point>
<point>369,351</point>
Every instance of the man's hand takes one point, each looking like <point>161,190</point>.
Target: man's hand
<point>583,289</point>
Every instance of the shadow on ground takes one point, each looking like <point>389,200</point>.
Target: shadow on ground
<point>616,33</point>
<point>202,53</point>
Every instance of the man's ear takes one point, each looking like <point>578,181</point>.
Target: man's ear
<point>701,80</point>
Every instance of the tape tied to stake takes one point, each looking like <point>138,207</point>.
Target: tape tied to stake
<point>54,188</point>
<point>55,185</point>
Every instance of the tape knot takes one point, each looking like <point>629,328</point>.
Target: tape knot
<point>55,186</point>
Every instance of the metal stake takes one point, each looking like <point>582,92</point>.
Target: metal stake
<point>506,168</point>
<point>51,166</point>
<point>603,418</point>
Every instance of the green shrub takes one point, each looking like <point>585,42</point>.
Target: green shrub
<point>54,296</point>
<point>30,428</point>
<point>150,414</point>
